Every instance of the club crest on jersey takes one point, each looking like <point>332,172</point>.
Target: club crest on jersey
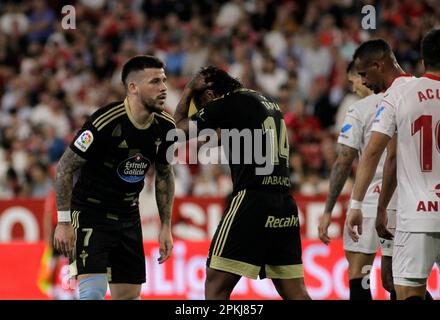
<point>133,169</point>
<point>84,141</point>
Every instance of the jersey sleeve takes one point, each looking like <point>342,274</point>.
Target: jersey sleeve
<point>385,118</point>
<point>213,115</point>
<point>352,130</point>
<point>165,149</point>
<point>88,141</point>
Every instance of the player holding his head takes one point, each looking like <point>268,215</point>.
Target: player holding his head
<point>99,224</point>
<point>411,109</point>
<point>259,233</point>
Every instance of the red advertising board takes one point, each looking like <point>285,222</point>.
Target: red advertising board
<point>21,219</point>
<point>182,276</point>
<point>20,264</point>
<point>193,218</point>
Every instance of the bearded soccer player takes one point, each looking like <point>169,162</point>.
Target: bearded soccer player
<point>411,109</point>
<point>353,138</point>
<point>98,219</point>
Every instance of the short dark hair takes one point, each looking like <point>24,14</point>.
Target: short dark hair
<point>222,82</point>
<point>431,50</point>
<point>372,49</point>
<point>138,63</point>
<point>350,68</point>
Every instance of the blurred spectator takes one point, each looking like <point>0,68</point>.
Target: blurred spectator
<point>270,78</point>
<point>313,184</point>
<point>39,182</point>
<point>41,18</point>
<point>196,56</point>
<point>297,173</point>
<point>230,14</point>
<point>174,58</point>
<point>315,64</point>
<point>13,22</point>
<point>204,185</point>
<point>319,104</point>
<point>304,128</point>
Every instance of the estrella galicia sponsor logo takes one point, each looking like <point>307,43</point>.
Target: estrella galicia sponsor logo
<point>133,169</point>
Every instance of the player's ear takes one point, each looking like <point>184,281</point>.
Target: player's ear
<point>132,87</point>
<point>210,94</point>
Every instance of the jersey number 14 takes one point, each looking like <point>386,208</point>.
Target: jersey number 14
<point>280,147</point>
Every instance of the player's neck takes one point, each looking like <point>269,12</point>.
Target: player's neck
<point>137,110</point>
<point>394,73</point>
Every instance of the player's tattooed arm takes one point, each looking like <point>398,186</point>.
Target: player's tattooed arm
<point>339,174</point>
<point>164,191</point>
<point>68,164</point>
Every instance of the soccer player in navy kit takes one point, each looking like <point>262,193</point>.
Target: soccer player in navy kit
<point>98,219</point>
<point>259,234</point>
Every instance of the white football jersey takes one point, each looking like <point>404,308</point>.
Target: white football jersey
<point>413,109</point>
<point>355,133</point>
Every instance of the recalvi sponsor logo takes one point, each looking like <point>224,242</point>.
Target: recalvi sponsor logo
<point>273,222</point>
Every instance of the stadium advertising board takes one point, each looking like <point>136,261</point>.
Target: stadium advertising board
<point>183,275</point>
<point>193,218</point>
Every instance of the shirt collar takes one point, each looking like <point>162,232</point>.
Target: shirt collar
<point>400,75</point>
<point>431,76</point>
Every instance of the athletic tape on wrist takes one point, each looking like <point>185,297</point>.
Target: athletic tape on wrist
<point>64,216</point>
<point>355,204</point>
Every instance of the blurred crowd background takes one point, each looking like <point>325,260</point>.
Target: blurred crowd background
<point>52,79</point>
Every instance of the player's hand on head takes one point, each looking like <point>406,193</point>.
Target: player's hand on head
<point>166,245</point>
<point>324,222</point>
<point>198,83</point>
<point>381,225</point>
<point>354,224</point>
<point>64,238</point>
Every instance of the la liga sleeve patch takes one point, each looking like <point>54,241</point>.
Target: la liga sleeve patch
<point>84,141</point>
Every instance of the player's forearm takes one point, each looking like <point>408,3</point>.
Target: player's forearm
<point>164,192</point>
<point>181,113</point>
<point>365,173</point>
<point>338,177</point>
<point>368,164</point>
<point>339,174</point>
<point>63,189</point>
<point>67,165</point>
<point>389,180</point>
